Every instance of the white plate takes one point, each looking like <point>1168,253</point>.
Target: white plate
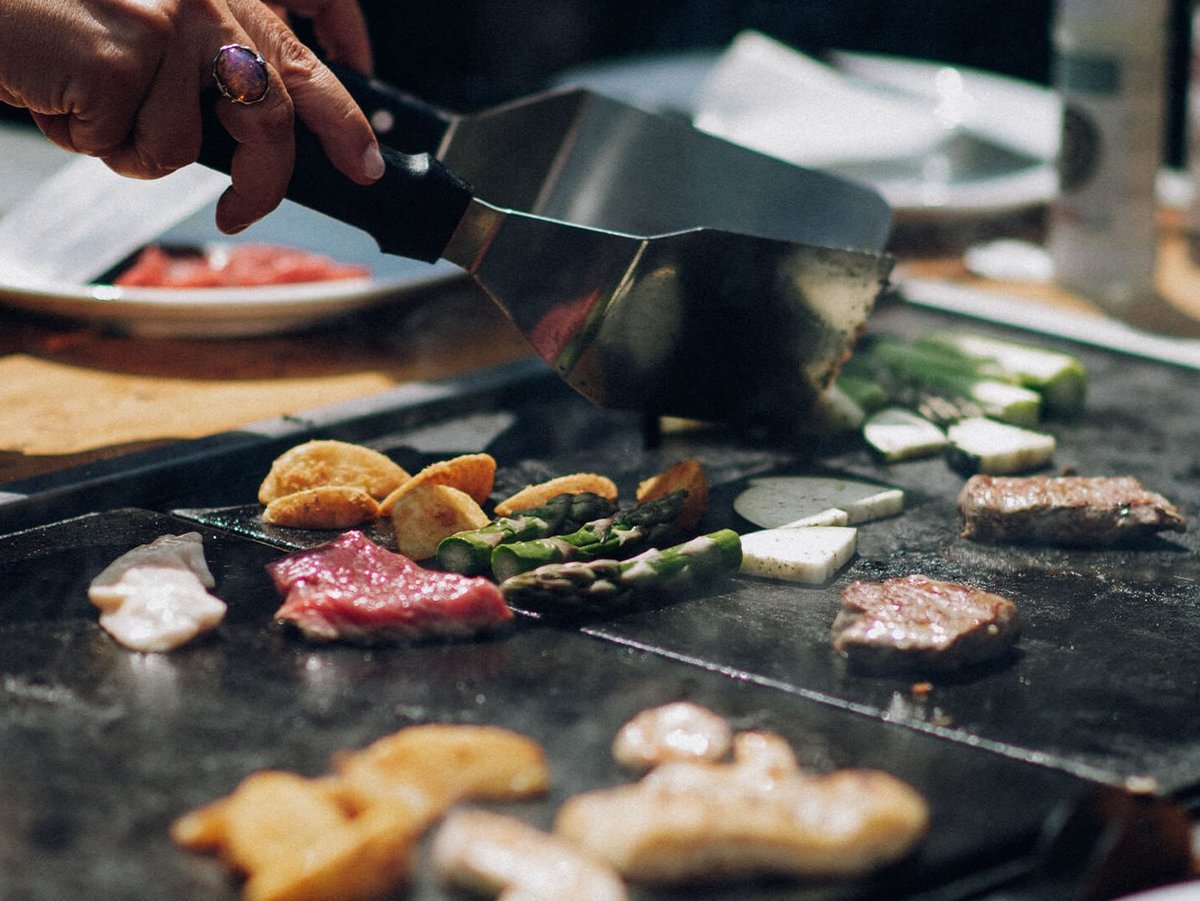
<point>996,160</point>
<point>214,312</point>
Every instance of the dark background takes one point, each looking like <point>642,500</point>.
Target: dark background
<point>467,54</point>
<point>470,53</point>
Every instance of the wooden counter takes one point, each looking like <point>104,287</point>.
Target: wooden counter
<point>72,394</point>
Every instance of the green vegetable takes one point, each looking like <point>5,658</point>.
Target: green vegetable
<point>588,586</point>
<point>897,434</point>
<point>646,524</point>
<point>864,389</point>
<point>470,552</point>
<point>1060,378</point>
<point>997,448</point>
<point>930,371</point>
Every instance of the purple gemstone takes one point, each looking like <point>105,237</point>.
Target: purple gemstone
<point>241,74</point>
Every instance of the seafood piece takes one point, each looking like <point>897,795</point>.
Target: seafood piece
<point>919,623</point>
<point>500,855</point>
<point>351,589</point>
<point>758,815</point>
<point>1064,510</point>
<point>153,598</point>
<point>678,731</point>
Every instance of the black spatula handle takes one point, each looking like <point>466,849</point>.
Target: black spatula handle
<point>411,211</point>
<point>398,118</point>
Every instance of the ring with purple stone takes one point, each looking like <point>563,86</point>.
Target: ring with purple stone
<point>241,74</point>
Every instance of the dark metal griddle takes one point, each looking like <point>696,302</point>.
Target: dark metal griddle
<point>1104,690</point>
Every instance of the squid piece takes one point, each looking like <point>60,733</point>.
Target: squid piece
<point>501,856</point>
<point>154,597</point>
<point>757,815</point>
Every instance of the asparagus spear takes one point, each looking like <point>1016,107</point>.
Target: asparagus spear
<point>1059,377</point>
<point>648,523</point>
<point>929,370</point>
<point>470,552</point>
<point>589,586</point>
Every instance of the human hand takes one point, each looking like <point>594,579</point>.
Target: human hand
<point>123,80</point>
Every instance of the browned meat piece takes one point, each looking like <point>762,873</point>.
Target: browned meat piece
<point>1064,510</point>
<point>921,624</point>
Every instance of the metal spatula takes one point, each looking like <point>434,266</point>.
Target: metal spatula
<point>635,310</point>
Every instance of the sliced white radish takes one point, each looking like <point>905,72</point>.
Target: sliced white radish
<point>898,434</point>
<point>775,501</point>
<point>812,555</point>
<point>984,445</point>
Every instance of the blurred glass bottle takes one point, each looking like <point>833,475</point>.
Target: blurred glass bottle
<point>1110,70</point>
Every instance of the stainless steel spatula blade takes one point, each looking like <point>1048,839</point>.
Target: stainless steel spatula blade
<point>696,321</point>
<point>702,323</point>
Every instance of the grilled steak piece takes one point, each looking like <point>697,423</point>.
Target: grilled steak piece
<point>916,623</point>
<point>1065,510</point>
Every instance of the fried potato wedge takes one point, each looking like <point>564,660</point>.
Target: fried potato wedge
<point>688,475</point>
<point>540,493</point>
<point>295,840</point>
<point>317,463</point>
<point>351,835</point>
<point>473,474</point>
<point>325,507</point>
<point>424,516</point>
<point>434,766</point>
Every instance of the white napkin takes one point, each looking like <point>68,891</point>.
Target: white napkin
<point>765,95</point>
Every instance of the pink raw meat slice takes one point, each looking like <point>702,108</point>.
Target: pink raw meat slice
<point>351,589</point>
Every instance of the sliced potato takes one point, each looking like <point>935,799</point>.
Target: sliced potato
<point>425,515</point>
<point>317,463</point>
<point>776,501</point>
<point>540,493</point>
<point>326,507</point>
<point>688,475</point>
<point>436,765</point>
<point>368,858</point>
<point>473,474</point>
<point>295,839</point>
<point>352,835</point>
<point>811,555</point>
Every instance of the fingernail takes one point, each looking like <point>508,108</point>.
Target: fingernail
<point>373,165</point>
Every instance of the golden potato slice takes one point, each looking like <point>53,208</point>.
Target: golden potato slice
<point>472,474</point>
<point>367,859</point>
<point>267,816</point>
<point>424,516</point>
<point>317,463</point>
<point>575,483</point>
<point>326,507</point>
<point>434,766</point>
<point>688,475</point>
<point>295,839</point>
